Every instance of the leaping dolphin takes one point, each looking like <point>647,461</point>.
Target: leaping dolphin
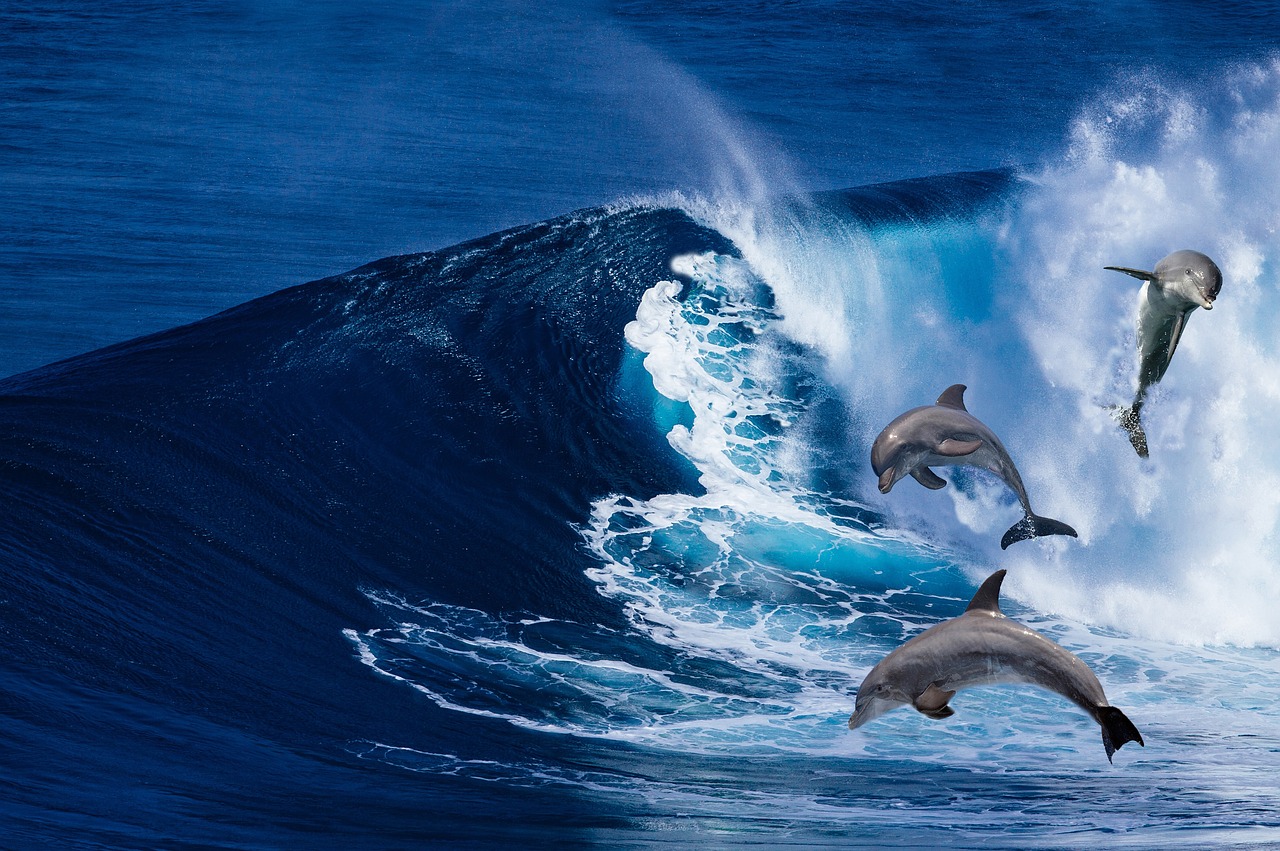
<point>946,433</point>
<point>983,647</point>
<point>1181,282</point>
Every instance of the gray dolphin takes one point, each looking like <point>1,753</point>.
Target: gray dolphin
<point>1181,282</point>
<point>946,433</point>
<point>983,647</point>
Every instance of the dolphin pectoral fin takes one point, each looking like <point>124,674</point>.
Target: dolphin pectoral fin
<point>952,448</point>
<point>933,702</point>
<point>1175,333</point>
<point>928,478</point>
<point>1156,358</point>
<point>1137,273</point>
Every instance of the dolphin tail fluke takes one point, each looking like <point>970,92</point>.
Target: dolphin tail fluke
<point>1116,730</point>
<point>1035,526</point>
<point>1131,421</point>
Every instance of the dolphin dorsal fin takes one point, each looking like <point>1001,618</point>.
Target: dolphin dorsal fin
<point>953,397</point>
<point>988,597</point>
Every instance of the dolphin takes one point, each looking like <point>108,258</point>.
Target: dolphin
<point>946,433</point>
<point>1181,282</point>
<point>983,647</point>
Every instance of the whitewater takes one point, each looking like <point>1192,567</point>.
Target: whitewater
<point>787,576</point>
<point>567,535</point>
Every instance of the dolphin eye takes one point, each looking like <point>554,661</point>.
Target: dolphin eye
<point>1188,271</point>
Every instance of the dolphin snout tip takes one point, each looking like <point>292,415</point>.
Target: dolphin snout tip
<point>861,715</point>
<point>1208,305</point>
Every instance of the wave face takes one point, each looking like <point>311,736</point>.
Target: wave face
<point>567,535</point>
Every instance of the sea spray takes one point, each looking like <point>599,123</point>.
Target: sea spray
<point>1183,547</point>
<point>1015,302</point>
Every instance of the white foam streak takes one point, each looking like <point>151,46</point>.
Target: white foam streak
<point>694,363</point>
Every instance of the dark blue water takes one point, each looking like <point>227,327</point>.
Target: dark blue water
<point>554,527</point>
<point>161,163</point>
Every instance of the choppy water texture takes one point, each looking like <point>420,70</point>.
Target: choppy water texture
<point>566,534</point>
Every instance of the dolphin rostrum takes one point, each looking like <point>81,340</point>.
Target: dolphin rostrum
<point>946,433</point>
<point>983,647</point>
<point>1181,282</point>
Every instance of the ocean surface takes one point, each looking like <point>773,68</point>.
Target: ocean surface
<point>543,516</point>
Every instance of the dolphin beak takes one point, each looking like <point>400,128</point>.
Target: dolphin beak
<point>868,711</point>
<point>1206,300</point>
<point>886,480</point>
